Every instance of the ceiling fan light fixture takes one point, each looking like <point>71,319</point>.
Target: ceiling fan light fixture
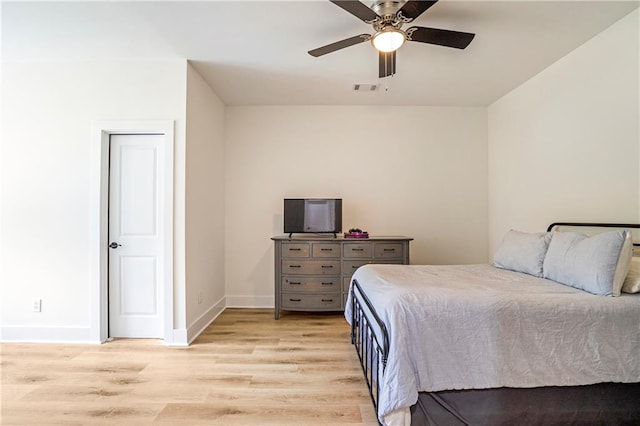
<point>388,39</point>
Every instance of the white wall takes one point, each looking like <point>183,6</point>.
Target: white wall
<point>45,248</point>
<point>205,289</point>
<point>415,171</point>
<point>564,145</point>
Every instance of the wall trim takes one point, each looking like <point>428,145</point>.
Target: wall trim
<point>178,338</point>
<point>37,334</point>
<point>200,324</point>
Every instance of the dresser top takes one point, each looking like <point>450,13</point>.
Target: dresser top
<point>331,238</point>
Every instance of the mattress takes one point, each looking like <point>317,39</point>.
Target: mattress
<point>478,327</point>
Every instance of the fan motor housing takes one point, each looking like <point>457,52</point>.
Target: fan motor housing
<point>387,9</point>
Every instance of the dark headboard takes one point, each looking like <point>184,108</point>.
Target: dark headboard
<point>635,228</point>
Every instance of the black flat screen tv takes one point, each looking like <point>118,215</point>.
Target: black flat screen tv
<point>312,215</point>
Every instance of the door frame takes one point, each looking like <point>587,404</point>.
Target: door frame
<point>99,222</point>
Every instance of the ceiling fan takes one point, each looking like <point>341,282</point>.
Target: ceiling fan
<point>387,18</point>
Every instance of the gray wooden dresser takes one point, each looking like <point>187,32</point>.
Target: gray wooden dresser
<point>312,273</point>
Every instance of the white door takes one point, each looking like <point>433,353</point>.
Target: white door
<point>136,236</point>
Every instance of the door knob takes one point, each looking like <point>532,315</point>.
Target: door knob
<point>114,245</point>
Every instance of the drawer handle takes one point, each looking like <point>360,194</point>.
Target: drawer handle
<point>389,249</point>
<point>294,266</point>
<point>326,249</point>
<point>327,266</point>
<point>294,249</point>
<point>295,282</point>
<point>357,249</point>
<point>295,300</point>
<point>327,300</point>
<point>329,283</point>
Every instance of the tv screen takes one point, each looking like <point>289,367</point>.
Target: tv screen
<point>312,215</point>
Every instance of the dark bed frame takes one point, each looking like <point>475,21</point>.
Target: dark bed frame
<point>599,404</point>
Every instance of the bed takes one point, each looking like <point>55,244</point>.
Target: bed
<point>484,345</point>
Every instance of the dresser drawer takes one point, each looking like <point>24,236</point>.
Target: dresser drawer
<point>346,283</point>
<point>357,250</point>
<point>311,284</point>
<point>350,266</point>
<point>388,251</point>
<point>312,301</point>
<point>326,250</point>
<point>311,267</point>
<point>296,250</point>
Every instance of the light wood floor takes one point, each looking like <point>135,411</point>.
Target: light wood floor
<point>246,368</point>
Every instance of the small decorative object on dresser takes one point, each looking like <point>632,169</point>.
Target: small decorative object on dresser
<point>356,233</point>
<point>313,273</point>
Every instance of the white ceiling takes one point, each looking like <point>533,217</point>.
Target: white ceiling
<point>255,52</point>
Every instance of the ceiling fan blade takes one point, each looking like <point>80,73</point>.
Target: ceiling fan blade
<point>414,8</point>
<point>339,45</point>
<point>447,38</point>
<point>386,64</point>
<point>357,9</point>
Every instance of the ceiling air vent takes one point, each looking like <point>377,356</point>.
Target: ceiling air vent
<point>365,87</point>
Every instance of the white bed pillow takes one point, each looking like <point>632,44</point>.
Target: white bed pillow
<point>522,252</point>
<point>632,282</point>
<point>597,264</point>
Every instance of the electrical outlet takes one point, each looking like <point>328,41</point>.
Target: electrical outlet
<point>37,305</point>
<point>199,298</point>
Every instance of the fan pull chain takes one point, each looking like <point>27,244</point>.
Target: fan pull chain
<point>386,80</point>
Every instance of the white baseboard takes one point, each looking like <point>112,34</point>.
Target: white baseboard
<point>36,334</point>
<point>204,320</point>
<point>250,302</point>
<point>178,338</point>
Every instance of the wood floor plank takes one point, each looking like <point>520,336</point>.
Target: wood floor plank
<point>81,413</point>
<point>245,368</point>
<point>289,414</point>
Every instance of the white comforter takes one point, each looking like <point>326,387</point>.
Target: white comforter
<point>477,326</point>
